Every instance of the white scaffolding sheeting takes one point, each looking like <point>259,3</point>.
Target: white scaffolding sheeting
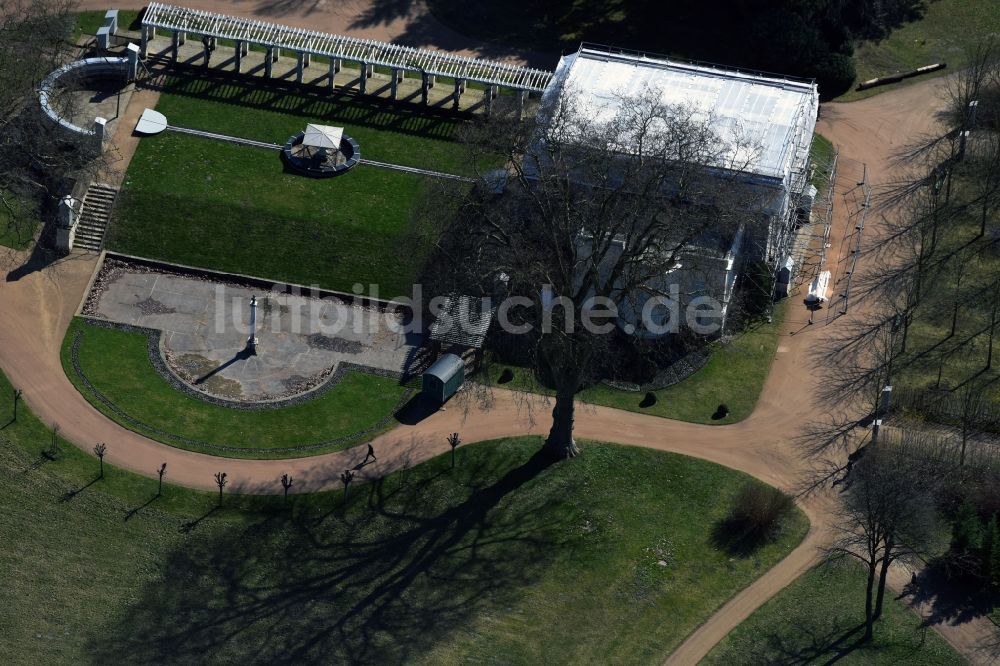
<point>368,51</point>
<point>768,120</point>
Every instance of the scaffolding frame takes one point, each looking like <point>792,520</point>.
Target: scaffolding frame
<point>368,52</point>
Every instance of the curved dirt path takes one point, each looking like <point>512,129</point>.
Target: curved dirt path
<point>38,306</point>
<point>406,22</point>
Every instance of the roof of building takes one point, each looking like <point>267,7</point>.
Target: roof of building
<point>769,115</point>
<point>463,320</point>
<point>446,367</point>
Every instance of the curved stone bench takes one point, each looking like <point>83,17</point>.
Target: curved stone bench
<point>88,69</point>
<point>348,146</point>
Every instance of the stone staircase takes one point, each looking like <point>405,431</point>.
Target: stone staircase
<point>94,216</point>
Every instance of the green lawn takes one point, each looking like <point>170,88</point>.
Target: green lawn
<point>116,363</point>
<point>734,375</point>
<point>930,347</point>
<point>946,30</point>
<point>234,208</point>
<point>88,22</point>
<point>818,619</point>
<point>504,556</point>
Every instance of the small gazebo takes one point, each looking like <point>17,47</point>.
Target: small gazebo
<point>321,151</point>
<point>322,140</point>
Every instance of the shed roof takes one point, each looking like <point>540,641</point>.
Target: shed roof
<point>772,116</point>
<point>463,320</point>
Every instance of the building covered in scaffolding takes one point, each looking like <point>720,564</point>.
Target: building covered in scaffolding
<point>764,122</point>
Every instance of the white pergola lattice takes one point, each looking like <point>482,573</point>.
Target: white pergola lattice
<point>366,51</point>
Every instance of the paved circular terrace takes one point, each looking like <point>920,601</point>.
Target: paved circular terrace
<point>204,326</point>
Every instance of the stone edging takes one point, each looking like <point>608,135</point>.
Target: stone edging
<point>693,361</point>
<point>245,281</point>
<point>153,348</point>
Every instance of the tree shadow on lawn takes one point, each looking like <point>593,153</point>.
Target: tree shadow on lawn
<point>307,101</point>
<point>808,645</point>
<point>953,599</point>
<point>73,492</point>
<point>381,582</point>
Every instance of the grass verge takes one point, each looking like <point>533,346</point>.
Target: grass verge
<point>944,32</point>
<point>818,619</point>
<point>117,364</point>
<point>821,154</point>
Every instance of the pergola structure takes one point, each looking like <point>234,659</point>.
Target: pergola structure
<point>368,53</point>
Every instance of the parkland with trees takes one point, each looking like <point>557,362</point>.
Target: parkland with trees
<point>919,367</point>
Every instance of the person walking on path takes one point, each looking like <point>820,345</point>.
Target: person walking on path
<point>371,454</point>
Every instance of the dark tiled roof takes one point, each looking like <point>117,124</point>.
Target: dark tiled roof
<point>463,320</point>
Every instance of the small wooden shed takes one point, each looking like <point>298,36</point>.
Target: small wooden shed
<point>443,379</point>
<point>461,325</point>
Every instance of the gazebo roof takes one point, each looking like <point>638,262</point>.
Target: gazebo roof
<point>323,136</point>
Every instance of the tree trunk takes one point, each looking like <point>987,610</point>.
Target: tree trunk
<point>958,295</point>
<point>886,561</point>
<point>869,613</point>
<point>906,331</point>
<point>993,326</point>
<point>560,443</point>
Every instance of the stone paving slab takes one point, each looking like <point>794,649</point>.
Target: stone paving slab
<point>205,324</point>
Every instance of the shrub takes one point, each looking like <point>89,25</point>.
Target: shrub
<point>990,559</point>
<point>760,508</point>
<point>835,73</point>
<point>754,519</point>
<point>966,531</point>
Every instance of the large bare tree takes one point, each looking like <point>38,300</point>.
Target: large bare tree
<point>35,157</point>
<point>592,216</point>
<point>888,515</point>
